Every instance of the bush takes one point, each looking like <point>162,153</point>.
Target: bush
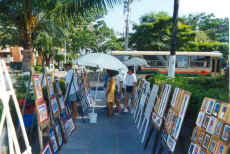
<point>38,68</point>
<point>200,87</point>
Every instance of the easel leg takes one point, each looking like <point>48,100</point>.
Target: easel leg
<point>40,138</point>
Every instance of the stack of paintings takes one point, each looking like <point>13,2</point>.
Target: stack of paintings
<point>212,131</point>
<point>175,117</point>
<point>160,106</point>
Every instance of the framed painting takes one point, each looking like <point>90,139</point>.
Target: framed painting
<point>204,104</point>
<point>156,120</point>
<point>54,105</point>
<point>185,103</point>
<point>211,125</point>
<point>196,149</point>
<point>174,98</point>
<point>47,149</point>
<point>50,85</point>
<point>171,143</point>
<point>37,88</point>
<point>69,127</point>
<point>216,109</point>
<point>59,134</point>
<point>57,85</point>
<point>177,128</point>
<point>218,128</point>
<point>195,134</point>
<point>223,110</point>
<point>191,147</point>
<point>200,119</point>
<point>53,140</point>
<point>210,106</point>
<point>206,141</point>
<point>226,133</point>
<point>164,100</point>
<point>221,148</point>
<point>206,120</point>
<point>61,102</point>
<point>42,113</point>
<point>212,145</point>
<point>201,137</point>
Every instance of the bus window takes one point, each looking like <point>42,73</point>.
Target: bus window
<point>181,61</point>
<point>156,61</point>
<point>200,61</point>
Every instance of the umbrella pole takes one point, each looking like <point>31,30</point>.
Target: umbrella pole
<point>96,91</point>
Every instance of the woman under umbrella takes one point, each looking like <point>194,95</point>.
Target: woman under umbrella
<point>110,93</point>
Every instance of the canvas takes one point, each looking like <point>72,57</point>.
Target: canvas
<point>54,105</point>
<point>226,133</point>
<point>171,143</point>
<point>201,137</point>
<point>53,140</point>
<point>42,112</point>
<point>216,109</point>
<point>212,145</point>
<point>200,119</point>
<point>211,125</point>
<point>37,88</point>
<point>206,141</point>
<point>210,106</point>
<point>218,128</point>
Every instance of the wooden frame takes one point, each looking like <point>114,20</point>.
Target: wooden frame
<point>37,88</point>
<point>42,113</point>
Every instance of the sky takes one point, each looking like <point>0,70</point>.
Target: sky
<point>115,16</point>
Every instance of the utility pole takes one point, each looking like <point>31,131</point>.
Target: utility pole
<point>172,58</point>
<point>126,13</point>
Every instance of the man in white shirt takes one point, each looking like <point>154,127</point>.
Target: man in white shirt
<point>73,91</point>
<point>130,82</point>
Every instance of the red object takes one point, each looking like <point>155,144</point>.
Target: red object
<point>29,109</point>
<point>203,72</point>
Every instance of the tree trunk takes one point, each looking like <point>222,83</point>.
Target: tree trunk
<point>172,60</point>
<point>27,59</point>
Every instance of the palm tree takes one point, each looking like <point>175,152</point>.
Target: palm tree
<point>24,16</point>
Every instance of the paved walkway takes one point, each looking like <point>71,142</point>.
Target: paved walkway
<point>115,135</point>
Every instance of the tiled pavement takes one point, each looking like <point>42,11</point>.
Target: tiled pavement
<point>115,135</point>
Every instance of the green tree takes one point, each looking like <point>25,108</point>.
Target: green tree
<point>24,16</point>
<point>155,32</point>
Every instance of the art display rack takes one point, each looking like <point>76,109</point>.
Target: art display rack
<point>55,124</point>
<point>212,131</point>
<point>7,92</point>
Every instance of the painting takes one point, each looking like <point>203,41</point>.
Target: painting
<point>59,134</point>
<point>191,147</point>
<point>200,119</point>
<point>61,102</point>
<point>69,127</point>
<point>204,105</point>
<point>177,127</point>
<point>171,143</point>
<point>174,98</point>
<point>212,145</point>
<point>206,120</point>
<point>195,134</point>
<point>164,100</point>
<point>157,120</point>
<point>37,88</point>
<point>50,85</point>
<point>210,106</point>
<point>54,105</point>
<point>196,149</point>
<point>223,110</point>
<point>206,141</point>
<point>201,137</point>
<point>220,148</point>
<point>216,109</point>
<point>218,128</point>
<point>42,112</point>
<point>184,104</point>
<point>226,133</point>
<point>47,149</point>
<point>53,140</point>
<point>58,86</point>
<point>211,125</point>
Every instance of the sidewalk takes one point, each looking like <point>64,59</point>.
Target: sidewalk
<point>115,135</point>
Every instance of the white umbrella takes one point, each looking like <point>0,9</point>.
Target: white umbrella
<point>103,61</point>
<point>135,61</point>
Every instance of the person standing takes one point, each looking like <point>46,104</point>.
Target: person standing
<point>73,91</point>
<point>110,92</point>
<point>130,82</point>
